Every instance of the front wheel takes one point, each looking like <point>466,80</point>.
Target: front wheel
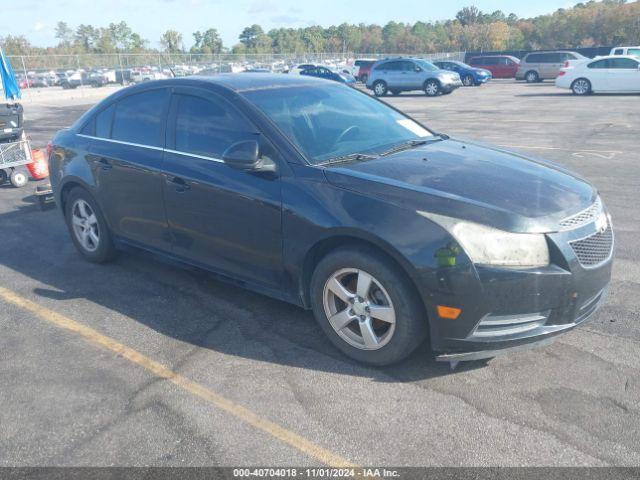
<point>367,307</point>
<point>3,176</point>
<point>380,88</point>
<point>468,81</point>
<point>581,86</point>
<point>431,88</point>
<point>88,227</point>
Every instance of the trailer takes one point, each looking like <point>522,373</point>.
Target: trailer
<point>15,154</point>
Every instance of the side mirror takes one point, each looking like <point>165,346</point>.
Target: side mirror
<point>243,155</point>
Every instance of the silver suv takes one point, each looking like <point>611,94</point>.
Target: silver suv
<point>536,67</point>
<point>404,74</point>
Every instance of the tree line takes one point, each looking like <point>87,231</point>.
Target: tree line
<point>609,22</point>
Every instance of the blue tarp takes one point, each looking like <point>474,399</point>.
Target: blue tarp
<point>9,83</point>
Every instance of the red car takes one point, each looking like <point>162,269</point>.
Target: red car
<point>500,66</point>
<point>364,69</point>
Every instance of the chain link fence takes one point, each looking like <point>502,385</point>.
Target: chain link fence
<point>190,63</point>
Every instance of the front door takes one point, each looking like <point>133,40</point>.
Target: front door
<point>126,157</point>
<point>219,217</point>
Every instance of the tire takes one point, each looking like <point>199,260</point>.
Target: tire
<point>3,176</point>
<point>18,179</point>
<point>581,86</point>
<point>104,249</point>
<point>468,81</point>
<point>364,78</point>
<point>388,341</point>
<point>379,88</point>
<point>432,88</point>
<point>532,76</point>
<point>395,93</point>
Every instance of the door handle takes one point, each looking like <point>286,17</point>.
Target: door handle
<point>105,164</point>
<point>179,184</point>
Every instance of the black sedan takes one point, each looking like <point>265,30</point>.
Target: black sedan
<point>322,196</point>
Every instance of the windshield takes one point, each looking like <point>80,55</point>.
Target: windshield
<point>334,121</point>
<point>634,51</point>
<point>428,66</point>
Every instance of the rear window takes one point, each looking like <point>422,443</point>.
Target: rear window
<point>103,122</point>
<point>138,118</point>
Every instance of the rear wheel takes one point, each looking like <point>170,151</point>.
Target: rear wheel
<point>581,86</point>
<point>18,179</point>
<point>468,81</point>
<point>380,88</point>
<point>363,78</point>
<point>88,228</point>
<point>532,77</point>
<point>366,306</point>
<point>3,176</point>
<point>431,88</point>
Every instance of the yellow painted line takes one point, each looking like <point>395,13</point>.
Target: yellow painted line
<point>247,416</point>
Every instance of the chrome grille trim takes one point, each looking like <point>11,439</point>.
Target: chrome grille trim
<point>582,218</point>
<point>492,326</point>
<point>595,249</point>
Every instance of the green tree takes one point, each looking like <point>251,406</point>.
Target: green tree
<point>64,34</point>
<point>171,41</point>
<point>207,42</point>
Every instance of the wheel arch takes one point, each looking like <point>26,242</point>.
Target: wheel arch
<point>343,239</point>
<point>68,185</point>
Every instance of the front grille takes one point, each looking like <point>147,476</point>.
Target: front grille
<point>582,218</point>
<point>594,249</point>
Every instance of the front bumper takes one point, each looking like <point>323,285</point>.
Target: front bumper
<point>451,86</point>
<point>507,308</point>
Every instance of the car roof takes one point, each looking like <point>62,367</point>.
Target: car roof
<point>604,57</point>
<point>236,82</point>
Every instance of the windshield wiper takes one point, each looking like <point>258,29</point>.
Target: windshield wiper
<point>404,146</point>
<point>358,157</point>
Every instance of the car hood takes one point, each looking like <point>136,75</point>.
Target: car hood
<point>471,181</point>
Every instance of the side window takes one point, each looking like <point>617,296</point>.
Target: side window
<point>618,51</point>
<point>599,64</point>
<point>103,122</point>
<point>139,117</point>
<point>208,127</point>
<point>623,63</point>
<point>533,58</point>
<point>408,66</point>
<point>90,127</point>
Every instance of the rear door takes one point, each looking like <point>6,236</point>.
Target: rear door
<point>219,217</point>
<point>126,154</point>
<point>554,64</point>
<point>623,74</point>
<point>391,74</point>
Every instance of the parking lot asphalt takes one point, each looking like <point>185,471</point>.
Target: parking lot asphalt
<point>143,363</point>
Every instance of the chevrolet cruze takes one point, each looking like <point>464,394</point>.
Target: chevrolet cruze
<point>320,195</point>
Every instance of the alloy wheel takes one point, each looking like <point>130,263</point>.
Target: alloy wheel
<point>581,87</point>
<point>380,89</point>
<point>359,309</point>
<point>85,225</point>
<point>431,88</point>
<point>467,80</point>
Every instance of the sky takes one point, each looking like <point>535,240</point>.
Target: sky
<point>36,19</point>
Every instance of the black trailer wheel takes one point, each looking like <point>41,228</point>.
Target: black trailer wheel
<point>3,176</point>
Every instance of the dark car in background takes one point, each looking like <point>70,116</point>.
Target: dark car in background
<point>470,76</point>
<point>325,197</point>
<point>324,72</point>
<point>500,66</point>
